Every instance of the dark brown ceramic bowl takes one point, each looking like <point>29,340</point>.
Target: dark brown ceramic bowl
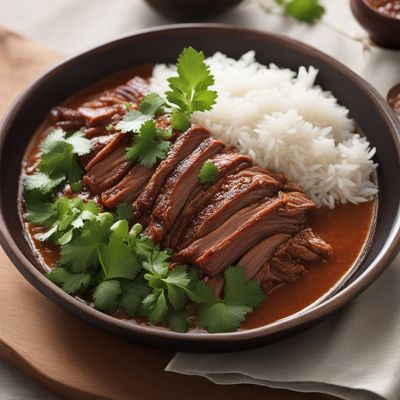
<point>382,29</point>
<point>192,9</point>
<point>163,45</point>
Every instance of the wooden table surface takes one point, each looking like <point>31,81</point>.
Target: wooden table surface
<point>71,358</point>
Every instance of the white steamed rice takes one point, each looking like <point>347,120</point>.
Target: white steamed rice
<point>287,124</point>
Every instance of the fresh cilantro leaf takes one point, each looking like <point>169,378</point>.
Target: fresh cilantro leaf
<point>124,211</point>
<point>220,317</point>
<point>155,306</point>
<point>157,263</point>
<point>189,90</point>
<point>178,281</point>
<point>128,105</point>
<point>151,104</point>
<point>59,154</point>
<point>225,315</point>
<point>76,186</point>
<point>42,182</point>
<point>81,253</point>
<point>180,121</point>
<point>63,216</point>
<point>303,10</point>
<point>240,292</point>
<point>143,247</point>
<point>133,292</point>
<point>147,146</point>
<point>117,258</point>
<point>134,119</point>
<point>106,296</point>
<point>71,283</point>
<point>178,320</point>
<point>208,172</point>
<point>40,212</point>
<point>80,144</point>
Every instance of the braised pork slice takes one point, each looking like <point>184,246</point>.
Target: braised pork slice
<point>129,188</point>
<point>177,189</point>
<point>102,109</point>
<point>290,259</point>
<point>227,163</point>
<point>109,165</point>
<point>286,213</point>
<point>98,143</point>
<point>239,191</point>
<point>260,254</point>
<point>182,148</point>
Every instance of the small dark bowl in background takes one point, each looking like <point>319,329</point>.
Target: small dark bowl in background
<point>192,9</point>
<point>382,29</point>
<point>163,44</point>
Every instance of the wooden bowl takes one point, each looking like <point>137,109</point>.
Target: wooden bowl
<point>163,44</point>
<point>382,29</point>
<point>192,9</point>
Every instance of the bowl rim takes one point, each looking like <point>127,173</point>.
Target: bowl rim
<point>295,321</point>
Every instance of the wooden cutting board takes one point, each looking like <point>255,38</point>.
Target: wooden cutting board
<point>71,358</point>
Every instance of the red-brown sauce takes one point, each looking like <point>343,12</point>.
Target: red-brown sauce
<point>393,98</point>
<point>346,228</point>
<point>389,8</point>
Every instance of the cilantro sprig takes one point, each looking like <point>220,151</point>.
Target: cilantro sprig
<point>62,217</point>
<point>189,91</point>
<point>225,315</point>
<point>303,10</point>
<point>58,162</point>
<point>208,172</point>
<point>149,145</point>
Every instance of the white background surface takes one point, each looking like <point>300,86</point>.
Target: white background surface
<point>69,26</point>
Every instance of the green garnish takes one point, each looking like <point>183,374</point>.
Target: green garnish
<point>189,90</point>
<point>69,282</point>
<point>148,145</point>
<point>62,217</point>
<point>303,10</point>
<point>171,289</point>
<point>58,161</point>
<point>127,105</point>
<point>124,211</point>
<point>109,127</point>
<point>208,172</point>
<point>134,119</point>
<point>225,315</point>
<point>76,186</point>
<point>82,252</point>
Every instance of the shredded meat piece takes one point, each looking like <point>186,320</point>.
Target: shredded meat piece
<point>178,188</point>
<point>129,188</point>
<point>184,145</point>
<point>108,166</point>
<point>227,163</point>
<point>240,190</point>
<point>289,260</point>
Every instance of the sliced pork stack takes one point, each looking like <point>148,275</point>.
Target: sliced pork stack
<point>246,215</point>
